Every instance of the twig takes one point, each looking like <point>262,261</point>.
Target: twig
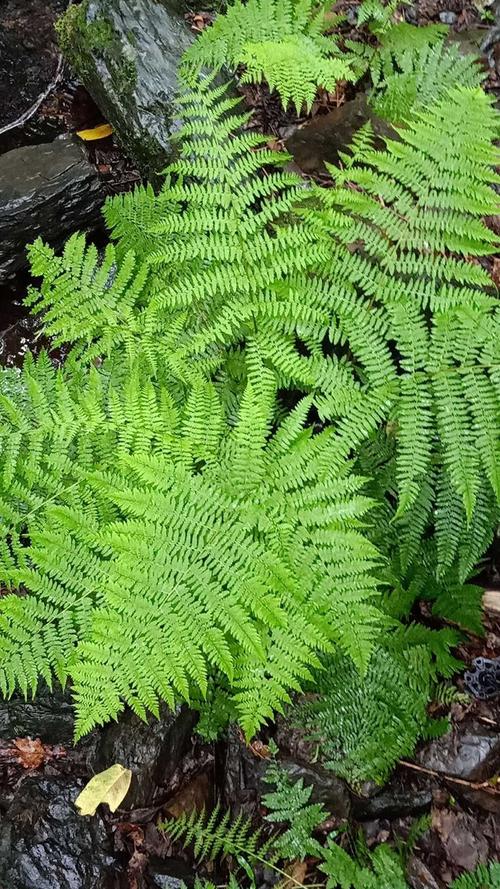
<point>473,785</point>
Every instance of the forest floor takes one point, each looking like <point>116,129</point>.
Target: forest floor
<point>454,780</point>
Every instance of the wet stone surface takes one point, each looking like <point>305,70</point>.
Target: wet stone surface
<point>126,53</point>
<point>469,751</point>
<point>49,190</point>
<point>326,135</point>
<point>48,717</point>
<point>245,781</point>
<point>46,844</point>
<point>151,750</point>
<point>397,798</point>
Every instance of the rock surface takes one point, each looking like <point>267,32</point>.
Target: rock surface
<point>469,751</point>
<point>326,135</point>
<point>46,844</point>
<point>127,52</point>
<point>49,190</point>
<point>395,799</point>
<point>327,789</point>
<point>245,781</point>
<point>48,717</point>
<point>151,750</point>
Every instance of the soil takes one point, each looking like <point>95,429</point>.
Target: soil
<point>28,53</point>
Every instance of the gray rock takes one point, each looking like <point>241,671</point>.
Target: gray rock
<point>327,789</point>
<point>419,876</point>
<point>171,873</point>
<point>49,717</point>
<point>328,134</point>
<point>45,843</point>
<point>49,190</point>
<point>468,751</point>
<point>126,52</point>
<point>447,17</point>
<point>152,750</point>
<point>395,799</point>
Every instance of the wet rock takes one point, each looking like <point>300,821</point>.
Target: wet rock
<point>395,799</point>
<point>468,751</point>
<point>151,750</point>
<point>48,717</point>
<point>327,789</point>
<point>468,41</point>
<point>327,135</point>
<point>170,874</point>
<point>245,781</point>
<point>419,876</point>
<point>44,843</point>
<point>243,773</point>
<point>49,190</point>
<point>447,17</point>
<point>126,52</point>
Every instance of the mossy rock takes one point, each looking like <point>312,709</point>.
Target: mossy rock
<point>126,52</point>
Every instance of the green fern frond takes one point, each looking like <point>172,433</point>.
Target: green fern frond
<point>365,724</point>
<point>280,42</point>
<point>420,198</point>
<point>216,835</point>
<point>179,549</point>
<point>412,68</point>
<point>289,804</point>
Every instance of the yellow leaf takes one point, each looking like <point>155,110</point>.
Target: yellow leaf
<point>100,132</point>
<point>108,787</point>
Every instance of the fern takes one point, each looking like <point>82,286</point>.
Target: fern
<point>413,68</point>
<point>159,551</point>
<point>237,275</point>
<point>365,725</point>
<point>216,836</point>
<point>280,41</point>
<point>415,209</point>
<point>486,876</point>
<point>289,803</point>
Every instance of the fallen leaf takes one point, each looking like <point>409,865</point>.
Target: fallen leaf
<point>30,753</point>
<point>110,786</point>
<point>100,132</point>
<point>297,871</point>
<point>259,749</point>
<point>193,797</point>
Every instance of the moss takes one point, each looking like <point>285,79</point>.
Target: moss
<point>80,39</point>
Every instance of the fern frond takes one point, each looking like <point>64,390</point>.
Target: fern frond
<point>280,42</point>
<point>412,68</point>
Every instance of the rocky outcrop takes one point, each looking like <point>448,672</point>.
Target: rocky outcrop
<point>49,190</point>
<point>126,53</point>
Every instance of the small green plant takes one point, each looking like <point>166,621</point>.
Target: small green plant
<point>413,67</point>
<point>280,41</point>
<point>216,836</point>
<point>364,725</point>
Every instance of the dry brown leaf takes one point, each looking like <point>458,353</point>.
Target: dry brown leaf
<point>297,871</point>
<point>29,752</point>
